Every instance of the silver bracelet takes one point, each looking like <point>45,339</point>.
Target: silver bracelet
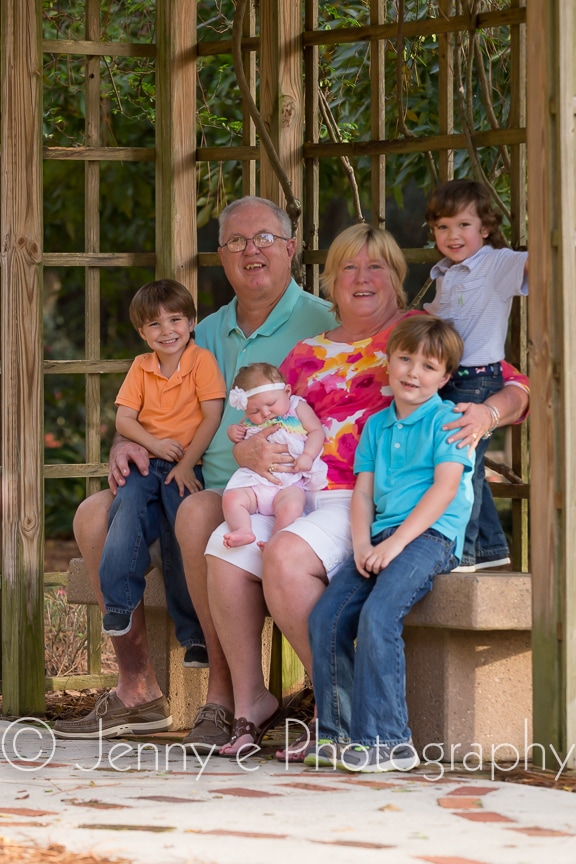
<point>495,420</point>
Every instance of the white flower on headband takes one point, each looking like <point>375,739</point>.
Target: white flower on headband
<point>238,398</point>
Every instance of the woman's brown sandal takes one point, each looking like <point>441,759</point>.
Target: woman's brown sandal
<point>241,726</point>
<point>297,749</point>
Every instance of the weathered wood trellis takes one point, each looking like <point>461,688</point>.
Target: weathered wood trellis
<point>291,112</point>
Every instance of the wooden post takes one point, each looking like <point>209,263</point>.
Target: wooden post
<point>21,353</point>
<point>311,215</point>
<point>519,318</point>
<point>281,107</point>
<point>446,92</point>
<point>551,32</point>
<point>176,243</point>
<point>249,172</point>
<point>281,95</point>
<point>93,397</point>
<point>377,116</point>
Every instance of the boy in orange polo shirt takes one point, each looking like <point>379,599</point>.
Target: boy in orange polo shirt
<point>171,403</point>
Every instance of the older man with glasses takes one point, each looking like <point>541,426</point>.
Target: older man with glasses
<point>267,316</point>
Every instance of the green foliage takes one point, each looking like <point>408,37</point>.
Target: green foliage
<point>345,81</point>
<point>127,118</point>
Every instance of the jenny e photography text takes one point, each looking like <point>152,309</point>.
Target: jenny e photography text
<point>29,745</point>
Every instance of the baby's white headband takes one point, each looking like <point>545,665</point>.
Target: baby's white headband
<point>238,397</point>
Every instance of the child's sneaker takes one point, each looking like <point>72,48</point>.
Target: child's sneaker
<point>116,623</point>
<point>487,564</point>
<point>324,753</point>
<point>196,657</point>
<point>465,568</point>
<point>379,758</point>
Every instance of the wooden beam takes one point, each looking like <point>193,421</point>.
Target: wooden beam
<point>311,215</point>
<point>99,259</point>
<point>412,29</point>
<point>81,682</point>
<point>377,116</point>
<point>93,138</point>
<point>313,150</point>
<point>487,138</point>
<point>21,354</point>
<point>67,367</point>
<point>282,110</point>
<point>519,318</point>
<point>176,241</point>
<point>281,94</point>
<point>100,154</point>
<point>446,92</point>
<point>249,167</point>
<point>565,308</point>
<point>93,48</point>
<point>416,28</point>
<point>551,31</point>
<point>80,469</point>
<point>215,47</point>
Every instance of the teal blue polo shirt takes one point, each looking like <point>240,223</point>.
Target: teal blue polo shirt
<point>297,315</point>
<point>402,455</point>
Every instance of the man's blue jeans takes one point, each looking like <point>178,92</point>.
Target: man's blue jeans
<point>143,510</point>
<point>485,540</point>
<point>361,693</point>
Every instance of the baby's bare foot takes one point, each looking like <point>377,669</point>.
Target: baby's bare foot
<point>238,538</point>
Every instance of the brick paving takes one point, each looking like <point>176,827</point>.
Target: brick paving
<point>141,802</point>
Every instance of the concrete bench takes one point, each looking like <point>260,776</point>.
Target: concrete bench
<point>185,688</point>
<point>469,666</point>
<point>468,662</point>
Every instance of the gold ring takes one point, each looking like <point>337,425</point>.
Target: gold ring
<point>474,436</point>
<point>272,468</point>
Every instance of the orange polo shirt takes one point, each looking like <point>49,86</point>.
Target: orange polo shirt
<point>170,407</point>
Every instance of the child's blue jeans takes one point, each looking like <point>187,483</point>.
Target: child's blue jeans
<point>143,510</point>
<point>361,693</point>
<point>485,540</point>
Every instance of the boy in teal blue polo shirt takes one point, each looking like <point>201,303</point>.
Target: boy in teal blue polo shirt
<point>410,507</point>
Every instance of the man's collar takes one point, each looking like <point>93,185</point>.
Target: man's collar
<point>277,316</point>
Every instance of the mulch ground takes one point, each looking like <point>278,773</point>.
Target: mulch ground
<point>566,782</point>
<point>54,854</point>
<point>66,704</point>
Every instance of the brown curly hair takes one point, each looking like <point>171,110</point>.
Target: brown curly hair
<point>455,195</point>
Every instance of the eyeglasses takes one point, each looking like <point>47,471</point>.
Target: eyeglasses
<point>260,240</point>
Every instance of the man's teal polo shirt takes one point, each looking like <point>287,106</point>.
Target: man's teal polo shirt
<point>297,315</point>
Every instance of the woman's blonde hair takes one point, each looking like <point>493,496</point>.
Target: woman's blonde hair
<point>381,246</point>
